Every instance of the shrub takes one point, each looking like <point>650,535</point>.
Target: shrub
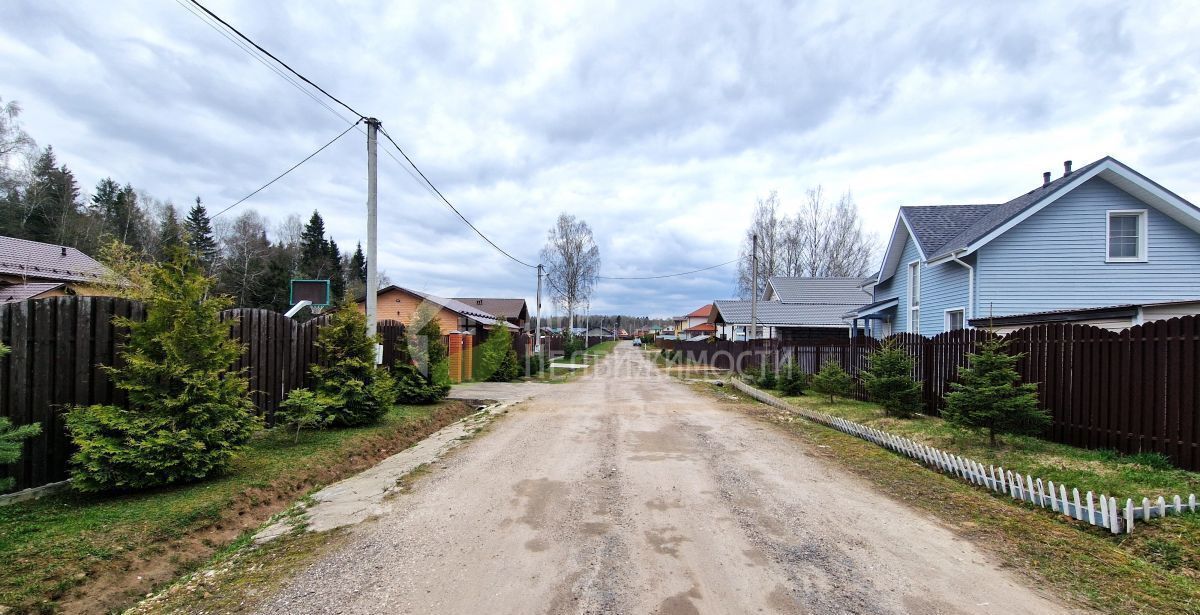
<point>497,357</point>
<point>354,390</point>
<point>412,387</point>
<point>832,380</point>
<point>573,345</point>
<point>765,376</point>
<point>303,409</point>
<point>422,370</point>
<point>990,396</point>
<point>792,380</point>
<point>889,382</point>
<point>188,412</point>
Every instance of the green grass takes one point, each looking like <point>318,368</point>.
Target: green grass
<point>1154,570</point>
<point>559,376</point>
<point>49,546</point>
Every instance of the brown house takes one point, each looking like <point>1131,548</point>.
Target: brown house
<point>513,310</point>
<point>34,270</point>
<point>402,304</point>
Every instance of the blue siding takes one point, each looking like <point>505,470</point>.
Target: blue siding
<point>1056,258</point>
<point>896,287</point>
<point>943,287</point>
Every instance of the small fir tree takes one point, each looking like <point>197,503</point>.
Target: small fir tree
<point>889,382</point>
<point>765,378</point>
<point>188,411</point>
<point>990,396</point>
<point>303,409</point>
<point>792,380</point>
<point>198,231</point>
<point>832,380</point>
<point>357,391</point>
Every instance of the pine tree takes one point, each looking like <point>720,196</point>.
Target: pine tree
<point>989,395</point>
<point>889,382</point>
<point>314,249</point>
<point>118,213</point>
<point>358,265</point>
<point>197,228</point>
<point>832,380</point>
<point>356,390</point>
<point>188,411</point>
<point>170,233</point>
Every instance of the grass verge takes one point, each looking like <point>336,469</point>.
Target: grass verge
<point>559,376</point>
<point>95,553</point>
<point>1153,570</point>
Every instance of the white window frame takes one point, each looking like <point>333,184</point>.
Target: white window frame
<point>914,293</point>
<point>1143,236</point>
<point>946,318</point>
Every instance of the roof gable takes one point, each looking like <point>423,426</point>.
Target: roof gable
<point>818,290</point>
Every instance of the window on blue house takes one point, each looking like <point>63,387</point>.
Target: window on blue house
<point>914,297</point>
<point>1126,236</point>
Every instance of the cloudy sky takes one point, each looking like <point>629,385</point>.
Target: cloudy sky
<point>659,124</point>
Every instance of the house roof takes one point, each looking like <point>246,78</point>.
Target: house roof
<point>21,292</point>
<point>702,312</point>
<point>1127,310</point>
<point>818,290</point>
<point>778,314</point>
<point>941,231</point>
<point>34,259</point>
<point>473,313</point>
<point>704,327</point>
<point>508,308</point>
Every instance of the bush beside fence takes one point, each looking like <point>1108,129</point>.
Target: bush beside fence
<point>1133,391</point>
<point>59,345</point>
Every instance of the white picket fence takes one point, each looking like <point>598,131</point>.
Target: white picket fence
<point>1025,488</point>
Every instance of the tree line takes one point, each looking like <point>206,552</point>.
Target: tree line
<point>823,238</point>
<point>41,200</point>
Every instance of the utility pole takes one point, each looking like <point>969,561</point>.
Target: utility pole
<point>537,335</point>
<point>754,289</point>
<point>372,230</point>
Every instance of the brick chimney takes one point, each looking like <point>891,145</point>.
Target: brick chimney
<point>1066,168</point>
<point>1046,178</point>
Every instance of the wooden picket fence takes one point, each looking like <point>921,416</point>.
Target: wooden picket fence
<point>1133,391</point>
<point>1035,491</point>
<point>60,344</point>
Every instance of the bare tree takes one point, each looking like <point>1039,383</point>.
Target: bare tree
<point>572,262</point>
<point>822,239</point>
<point>12,138</point>
<point>244,260</point>
<point>770,229</point>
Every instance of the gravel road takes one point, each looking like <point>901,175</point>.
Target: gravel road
<point>626,492</point>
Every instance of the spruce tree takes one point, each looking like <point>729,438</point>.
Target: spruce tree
<point>336,272</point>
<point>832,380</point>
<point>188,410</point>
<point>314,249</point>
<point>358,265</point>
<point>51,202</point>
<point>497,359</point>
<point>197,228</point>
<point>355,390</point>
<point>170,234</point>
<point>889,381</point>
<point>989,395</point>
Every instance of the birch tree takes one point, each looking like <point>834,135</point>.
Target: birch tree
<point>572,261</point>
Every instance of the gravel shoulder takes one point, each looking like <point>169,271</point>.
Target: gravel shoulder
<point>626,492</point>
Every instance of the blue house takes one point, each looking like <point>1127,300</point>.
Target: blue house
<point>1101,244</point>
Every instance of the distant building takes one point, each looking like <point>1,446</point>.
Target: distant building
<point>34,270</point>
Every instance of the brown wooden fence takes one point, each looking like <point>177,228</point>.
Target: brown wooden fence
<point>1133,391</point>
<point>59,344</point>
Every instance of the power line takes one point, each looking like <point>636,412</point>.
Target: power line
<point>292,168</point>
<point>281,62</point>
<point>449,204</point>
<point>669,275</point>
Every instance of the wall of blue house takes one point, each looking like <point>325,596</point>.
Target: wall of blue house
<point>943,287</point>
<point>1056,258</point>
<point>896,287</point>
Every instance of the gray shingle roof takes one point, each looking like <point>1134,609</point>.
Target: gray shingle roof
<point>935,225</point>
<point>819,290</point>
<point>37,260</point>
<point>774,313</point>
<point>1004,212</point>
<point>21,292</point>
<point>508,308</point>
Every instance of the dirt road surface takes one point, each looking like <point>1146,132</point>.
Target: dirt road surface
<point>627,492</point>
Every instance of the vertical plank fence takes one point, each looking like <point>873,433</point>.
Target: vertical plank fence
<point>59,346</point>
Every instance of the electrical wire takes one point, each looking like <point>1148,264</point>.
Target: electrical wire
<point>281,62</point>
<point>451,205</point>
<point>292,168</point>
<point>669,275</point>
